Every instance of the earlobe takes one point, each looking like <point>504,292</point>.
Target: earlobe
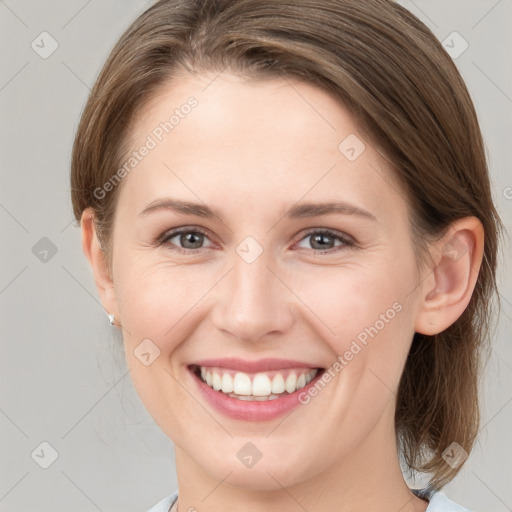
<point>96,257</point>
<point>448,290</point>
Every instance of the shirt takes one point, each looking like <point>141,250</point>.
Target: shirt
<point>438,502</point>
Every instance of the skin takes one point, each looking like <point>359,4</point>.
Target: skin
<point>251,150</point>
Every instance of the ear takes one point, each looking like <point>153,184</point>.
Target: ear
<point>447,290</point>
<point>96,257</point>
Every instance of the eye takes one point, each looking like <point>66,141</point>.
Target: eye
<point>191,239</point>
<point>187,239</point>
<point>323,241</point>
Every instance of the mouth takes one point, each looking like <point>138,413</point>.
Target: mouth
<point>260,386</point>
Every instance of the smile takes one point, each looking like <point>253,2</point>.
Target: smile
<point>259,386</point>
<point>253,390</point>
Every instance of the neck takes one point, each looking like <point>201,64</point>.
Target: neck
<point>368,478</point>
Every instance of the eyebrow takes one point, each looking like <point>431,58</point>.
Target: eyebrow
<point>303,210</point>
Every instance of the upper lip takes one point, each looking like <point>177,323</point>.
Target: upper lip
<point>260,365</point>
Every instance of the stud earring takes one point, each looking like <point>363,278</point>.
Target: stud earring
<point>111,319</point>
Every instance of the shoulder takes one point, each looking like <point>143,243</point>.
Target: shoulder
<point>439,502</point>
<point>165,503</point>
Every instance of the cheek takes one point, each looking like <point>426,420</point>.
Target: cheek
<point>162,302</point>
<point>346,301</point>
<point>158,302</point>
<point>364,315</point>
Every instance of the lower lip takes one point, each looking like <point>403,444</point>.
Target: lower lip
<point>251,410</point>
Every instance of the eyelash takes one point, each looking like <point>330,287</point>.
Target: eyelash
<point>347,242</point>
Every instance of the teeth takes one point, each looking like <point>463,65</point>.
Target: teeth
<point>291,383</point>
<point>252,398</point>
<point>262,386</point>
<point>278,383</point>
<point>227,383</point>
<point>242,384</point>
<point>216,381</point>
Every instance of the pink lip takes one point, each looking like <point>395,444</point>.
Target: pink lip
<point>251,411</point>
<point>260,365</point>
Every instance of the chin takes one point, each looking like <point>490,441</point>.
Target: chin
<point>268,473</point>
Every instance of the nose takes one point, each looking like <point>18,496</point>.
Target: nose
<point>253,301</point>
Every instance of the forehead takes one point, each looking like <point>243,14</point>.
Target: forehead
<point>274,140</point>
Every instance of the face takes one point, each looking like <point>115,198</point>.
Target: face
<point>257,289</point>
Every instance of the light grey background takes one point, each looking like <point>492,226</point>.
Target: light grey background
<point>63,375</point>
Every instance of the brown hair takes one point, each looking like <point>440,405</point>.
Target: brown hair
<point>408,99</point>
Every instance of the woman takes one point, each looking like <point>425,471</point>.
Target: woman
<point>287,211</point>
